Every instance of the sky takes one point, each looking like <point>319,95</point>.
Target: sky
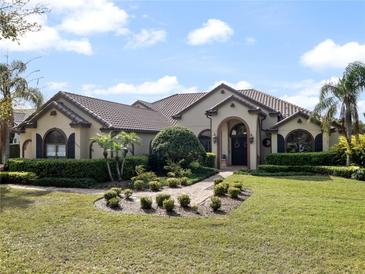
<point>129,50</point>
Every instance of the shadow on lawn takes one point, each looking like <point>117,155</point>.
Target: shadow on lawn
<point>313,177</point>
<point>10,199</point>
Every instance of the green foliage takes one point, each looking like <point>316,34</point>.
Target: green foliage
<point>305,158</point>
<point>210,159</point>
<point>66,182</point>
<point>168,204</point>
<point>242,171</point>
<point>175,170</point>
<point>194,165</point>
<point>218,181</point>
<point>173,182</point>
<point>220,189</point>
<point>154,185</point>
<point>70,168</point>
<point>110,194</point>
<point>161,197</point>
<point>359,174</point>
<point>22,178</point>
<point>356,150</point>
<point>176,144</point>
<point>128,193</point>
<point>234,192</point>
<point>215,203</point>
<point>138,184</point>
<point>145,176</point>
<point>118,190</point>
<point>237,184</point>
<point>184,181</point>
<point>184,200</point>
<point>171,174</point>
<point>341,171</point>
<point>113,202</point>
<point>146,202</point>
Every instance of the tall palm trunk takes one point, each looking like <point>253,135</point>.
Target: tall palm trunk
<point>117,165</point>
<point>4,141</point>
<point>105,153</point>
<point>348,123</point>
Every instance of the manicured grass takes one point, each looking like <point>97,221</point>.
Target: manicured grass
<point>303,224</point>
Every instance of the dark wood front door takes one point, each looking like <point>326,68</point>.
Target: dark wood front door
<point>239,145</point>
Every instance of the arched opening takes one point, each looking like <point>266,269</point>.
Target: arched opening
<point>205,138</point>
<point>55,144</point>
<point>299,140</point>
<point>238,136</point>
<point>27,149</point>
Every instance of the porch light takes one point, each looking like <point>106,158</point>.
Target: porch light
<point>251,139</point>
<point>214,138</point>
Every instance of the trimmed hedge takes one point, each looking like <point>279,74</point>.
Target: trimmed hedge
<point>66,182</point>
<point>341,171</point>
<point>305,158</point>
<point>210,160</point>
<point>22,178</point>
<point>69,168</point>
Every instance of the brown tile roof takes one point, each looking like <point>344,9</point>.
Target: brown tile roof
<point>21,114</point>
<point>120,116</point>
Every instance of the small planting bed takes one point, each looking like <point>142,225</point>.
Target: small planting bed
<point>133,206</point>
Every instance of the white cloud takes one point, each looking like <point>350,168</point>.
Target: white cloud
<point>237,85</point>
<point>328,54</point>
<point>146,38</point>
<point>57,85</point>
<point>164,85</point>
<point>304,93</point>
<point>212,30</point>
<point>249,41</point>
<point>47,38</point>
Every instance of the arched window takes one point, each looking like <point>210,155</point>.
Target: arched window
<point>299,141</point>
<point>205,138</point>
<point>55,144</point>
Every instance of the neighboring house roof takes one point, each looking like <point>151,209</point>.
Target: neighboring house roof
<point>21,114</point>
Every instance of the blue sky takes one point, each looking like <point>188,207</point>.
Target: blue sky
<point>129,50</point>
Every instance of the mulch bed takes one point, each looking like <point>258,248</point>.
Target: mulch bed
<point>132,206</point>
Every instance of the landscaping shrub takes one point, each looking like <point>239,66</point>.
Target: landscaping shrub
<point>118,190</point>
<point>175,170</point>
<point>341,171</point>
<point>171,174</point>
<point>22,178</point>
<point>220,190</point>
<point>305,158</point>
<point>110,194</point>
<point>176,144</point>
<point>210,159</point>
<point>184,181</point>
<point>237,184</point>
<point>359,174</point>
<point>128,193</point>
<point>242,171</point>
<point>139,184</point>
<point>184,200</point>
<point>161,197</point>
<point>357,150</point>
<point>168,204</point>
<point>113,202</point>
<point>146,202</point>
<point>233,192</point>
<point>145,176</point>
<point>71,168</point>
<point>173,182</point>
<point>218,181</point>
<point>66,182</point>
<point>194,165</point>
<point>154,185</point>
<point>215,203</point>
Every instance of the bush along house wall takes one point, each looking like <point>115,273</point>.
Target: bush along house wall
<point>305,158</point>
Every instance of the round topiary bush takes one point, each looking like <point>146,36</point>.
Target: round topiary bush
<point>173,182</point>
<point>154,185</point>
<point>184,200</point>
<point>138,184</point>
<point>169,204</point>
<point>113,202</point>
<point>146,202</point>
<point>175,144</point>
<point>234,192</point>
<point>220,190</point>
<point>110,194</point>
<point>184,181</point>
<point>215,203</point>
<point>118,190</point>
<point>128,193</point>
<point>162,197</point>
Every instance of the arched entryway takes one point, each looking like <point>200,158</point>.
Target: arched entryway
<point>232,140</point>
<point>238,140</point>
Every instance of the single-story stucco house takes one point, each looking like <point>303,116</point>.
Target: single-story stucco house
<point>240,126</point>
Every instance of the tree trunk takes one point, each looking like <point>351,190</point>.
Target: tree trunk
<point>117,165</point>
<point>4,141</point>
<point>124,156</point>
<point>348,124</point>
<point>105,153</point>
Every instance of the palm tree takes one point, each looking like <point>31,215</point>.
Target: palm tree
<point>13,87</point>
<point>342,95</point>
<point>105,141</point>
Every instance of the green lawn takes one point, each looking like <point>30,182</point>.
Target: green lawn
<point>305,224</point>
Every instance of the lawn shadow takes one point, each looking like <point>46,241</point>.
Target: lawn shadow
<point>11,200</point>
<point>313,177</point>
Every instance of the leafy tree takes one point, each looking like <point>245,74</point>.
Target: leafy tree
<point>342,95</point>
<point>15,18</point>
<point>13,87</point>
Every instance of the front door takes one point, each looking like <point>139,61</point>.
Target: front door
<point>239,145</point>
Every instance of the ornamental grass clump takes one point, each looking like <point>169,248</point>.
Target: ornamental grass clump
<point>146,202</point>
<point>154,185</point>
<point>110,194</point>
<point>173,182</point>
<point>113,202</point>
<point>184,181</point>
<point>233,192</point>
<point>169,204</point>
<point>161,197</point>
<point>128,193</point>
<point>184,200</point>
<point>118,190</point>
<point>218,181</point>
<point>220,190</point>
<point>215,203</point>
<point>237,184</point>
<point>138,184</point>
